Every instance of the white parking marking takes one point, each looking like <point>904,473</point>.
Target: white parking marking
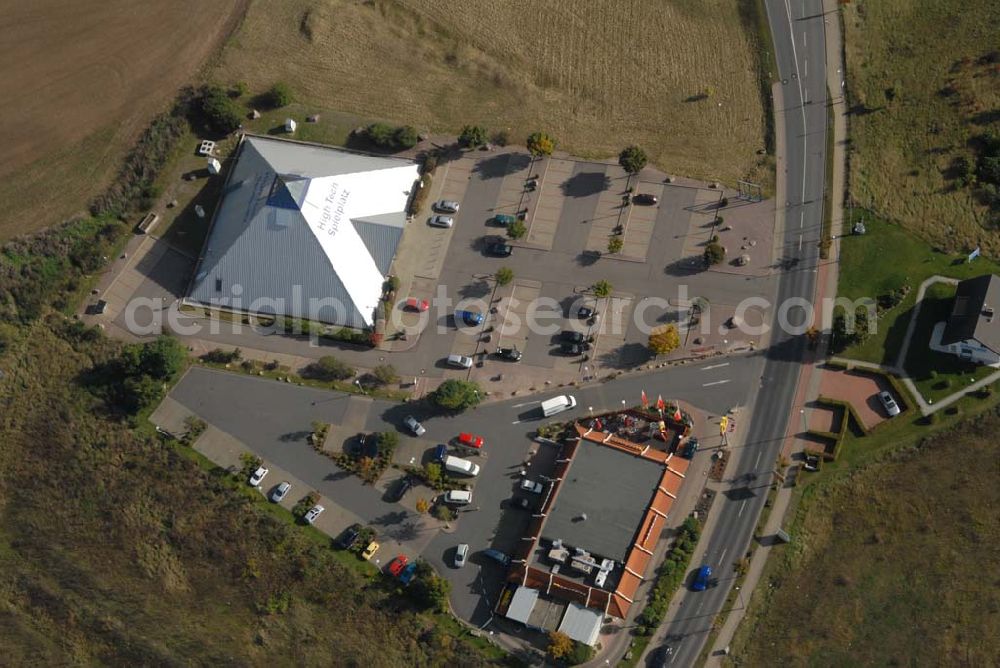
<point>714,366</point>
<point>715,382</point>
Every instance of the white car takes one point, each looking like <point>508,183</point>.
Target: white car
<point>281,491</point>
<point>458,497</point>
<point>258,476</point>
<point>461,555</point>
<point>531,486</point>
<point>889,404</point>
<point>441,221</point>
<point>414,426</point>
<point>313,513</point>
<point>446,206</point>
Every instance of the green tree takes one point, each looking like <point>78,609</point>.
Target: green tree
<point>517,229</point>
<point>664,340</point>
<point>473,136</point>
<point>140,392</point>
<point>249,463</point>
<point>580,653</point>
<point>428,588</point>
<point>432,473</point>
<point>540,144</point>
<point>221,114</point>
<point>387,442</point>
<point>632,159</point>
<point>405,136</point>
<point>385,374</point>
<point>329,367</point>
<point>162,359</point>
<point>504,275</point>
<point>560,645</point>
<point>279,95</point>
<point>380,134</point>
<point>615,244</point>
<point>714,253</point>
<point>602,288</point>
<point>456,395</point>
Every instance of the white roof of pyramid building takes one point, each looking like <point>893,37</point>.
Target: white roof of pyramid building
<point>305,231</point>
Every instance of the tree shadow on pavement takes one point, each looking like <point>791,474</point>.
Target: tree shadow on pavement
<point>585,184</point>
<point>499,166</point>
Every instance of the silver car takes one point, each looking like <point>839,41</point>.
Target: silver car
<point>441,221</point>
<point>446,206</point>
<point>461,555</point>
<point>281,491</point>
<point>889,404</point>
<point>414,426</point>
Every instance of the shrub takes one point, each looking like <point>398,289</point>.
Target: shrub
<point>472,136</point>
<point>279,95</point>
<point>501,138</point>
<point>405,136</point>
<point>540,144</point>
<point>580,653</point>
<point>303,505</point>
<point>664,340</point>
<point>714,253</point>
<point>392,284</point>
<point>517,229</point>
<point>328,367</point>
<point>504,275</point>
<point>444,513</point>
<point>428,588</point>
<point>220,356</point>
<point>385,374</point>
<point>560,645</point>
<point>456,395</point>
<point>602,288</point>
<point>615,244</point>
<point>220,113</point>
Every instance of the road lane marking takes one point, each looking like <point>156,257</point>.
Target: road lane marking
<point>802,217</point>
<point>722,559</point>
<point>741,509</point>
<point>800,242</point>
<point>804,44</point>
<point>714,366</point>
<point>805,66</point>
<point>758,460</point>
<point>526,403</point>
<point>715,382</point>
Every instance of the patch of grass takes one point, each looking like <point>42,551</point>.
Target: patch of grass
<point>884,259</point>
<point>887,556</point>
<point>917,97</point>
<point>577,71</point>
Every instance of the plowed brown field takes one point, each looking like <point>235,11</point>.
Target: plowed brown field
<point>81,78</point>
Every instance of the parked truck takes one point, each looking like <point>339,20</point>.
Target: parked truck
<point>459,465</point>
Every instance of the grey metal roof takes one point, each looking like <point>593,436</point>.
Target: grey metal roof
<point>975,313</point>
<point>582,624</point>
<point>269,248</point>
<point>521,604</point>
<point>613,489</point>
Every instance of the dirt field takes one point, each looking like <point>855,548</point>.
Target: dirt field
<point>921,94</point>
<point>597,75</point>
<point>81,80</point>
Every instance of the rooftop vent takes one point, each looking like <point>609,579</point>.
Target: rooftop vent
<point>988,312</point>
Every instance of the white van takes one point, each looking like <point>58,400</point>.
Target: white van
<point>558,404</point>
<point>458,497</point>
<point>459,465</point>
<point>460,361</point>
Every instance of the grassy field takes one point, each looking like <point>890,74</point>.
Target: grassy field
<point>888,561</point>
<point>884,259</point>
<point>117,549</point>
<point>677,77</point>
<point>82,81</point>
<point>921,93</point>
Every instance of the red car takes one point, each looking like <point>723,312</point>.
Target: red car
<point>470,440</point>
<point>415,304</point>
<point>397,565</point>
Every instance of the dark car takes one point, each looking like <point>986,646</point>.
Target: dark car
<point>498,556</point>
<point>690,448</point>
<point>701,577</point>
<point>572,336</point>
<point>400,489</point>
<point>500,249</point>
<point>509,354</point>
<point>586,312</point>
<point>440,452</point>
<point>350,536</point>
<point>645,198</point>
<point>520,503</point>
<point>567,348</point>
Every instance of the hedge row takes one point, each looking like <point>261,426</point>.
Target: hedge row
<point>669,576</point>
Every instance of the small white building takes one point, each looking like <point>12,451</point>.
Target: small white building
<point>206,147</point>
<point>972,331</point>
<point>290,125</point>
<point>214,166</point>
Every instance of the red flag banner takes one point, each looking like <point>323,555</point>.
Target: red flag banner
<point>677,413</point>
<point>660,403</point>
<point>645,400</point>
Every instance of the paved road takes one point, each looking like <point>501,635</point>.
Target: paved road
<point>799,41</point>
<point>274,419</point>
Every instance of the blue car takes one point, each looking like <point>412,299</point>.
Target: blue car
<point>469,318</point>
<point>440,452</point>
<point>406,576</point>
<point>497,556</point>
<point>701,577</point>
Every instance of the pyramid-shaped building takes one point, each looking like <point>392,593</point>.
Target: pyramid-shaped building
<point>304,231</point>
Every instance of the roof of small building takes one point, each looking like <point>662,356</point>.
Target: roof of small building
<point>975,313</point>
